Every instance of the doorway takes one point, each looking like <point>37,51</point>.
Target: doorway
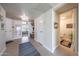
<point>67,26</point>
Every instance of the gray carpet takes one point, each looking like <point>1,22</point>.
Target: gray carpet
<point>26,49</point>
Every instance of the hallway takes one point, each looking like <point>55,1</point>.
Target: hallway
<point>37,24</point>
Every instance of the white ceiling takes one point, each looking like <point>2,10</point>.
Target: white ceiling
<point>32,10</point>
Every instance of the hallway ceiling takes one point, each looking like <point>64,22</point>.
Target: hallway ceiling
<point>32,10</point>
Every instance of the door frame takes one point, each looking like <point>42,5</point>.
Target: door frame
<point>64,8</point>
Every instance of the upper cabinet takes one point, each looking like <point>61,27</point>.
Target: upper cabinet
<point>2,11</point>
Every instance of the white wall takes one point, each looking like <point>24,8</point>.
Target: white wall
<point>2,32</point>
<point>64,21</point>
<point>10,27</point>
<point>39,29</point>
<point>65,30</point>
<point>44,30</point>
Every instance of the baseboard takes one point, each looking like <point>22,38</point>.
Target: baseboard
<point>54,49</point>
<point>44,46</point>
<point>2,51</point>
<point>47,48</point>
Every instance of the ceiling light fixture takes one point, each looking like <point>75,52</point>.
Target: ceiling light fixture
<point>24,17</point>
<point>63,17</point>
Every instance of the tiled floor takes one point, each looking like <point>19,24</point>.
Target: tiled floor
<point>64,51</point>
<point>13,49</point>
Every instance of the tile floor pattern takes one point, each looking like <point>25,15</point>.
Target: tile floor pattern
<point>13,49</point>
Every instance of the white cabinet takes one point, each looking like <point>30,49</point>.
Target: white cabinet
<point>12,29</point>
<point>8,29</point>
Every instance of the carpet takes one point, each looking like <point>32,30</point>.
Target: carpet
<point>26,49</point>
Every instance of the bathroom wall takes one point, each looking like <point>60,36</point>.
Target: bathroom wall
<point>64,21</point>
